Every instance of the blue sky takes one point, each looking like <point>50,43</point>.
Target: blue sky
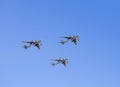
<point>94,62</point>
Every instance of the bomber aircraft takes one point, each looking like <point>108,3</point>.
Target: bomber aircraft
<point>63,61</point>
<point>33,43</point>
<point>73,39</point>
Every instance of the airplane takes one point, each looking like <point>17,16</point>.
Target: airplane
<point>33,43</point>
<point>58,61</point>
<point>74,39</point>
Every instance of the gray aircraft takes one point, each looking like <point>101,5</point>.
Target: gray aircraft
<point>33,43</point>
<point>73,39</point>
<point>59,61</point>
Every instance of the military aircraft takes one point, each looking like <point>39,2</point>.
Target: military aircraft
<point>74,39</point>
<point>58,61</point>
<point>33,43</point>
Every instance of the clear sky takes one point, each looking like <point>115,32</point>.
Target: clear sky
<point>94,62</point>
